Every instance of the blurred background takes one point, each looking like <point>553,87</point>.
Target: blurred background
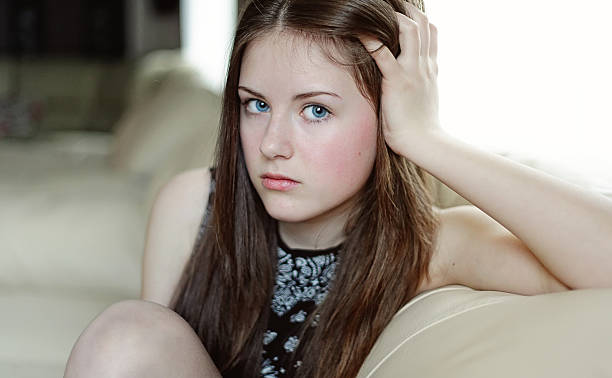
<point>102,102</point>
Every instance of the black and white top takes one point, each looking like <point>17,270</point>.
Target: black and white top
<point>301,284</point>
<point>302,281</point>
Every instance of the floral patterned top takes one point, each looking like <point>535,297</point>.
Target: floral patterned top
<point>302,281</point>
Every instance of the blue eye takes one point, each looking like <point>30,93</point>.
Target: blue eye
<point>319,112</point>
<point>258,105</point>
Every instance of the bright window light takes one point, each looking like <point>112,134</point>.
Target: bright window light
<point>531,79</point>
<point>207,30</point>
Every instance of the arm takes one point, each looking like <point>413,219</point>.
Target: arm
<point>486,256</point>
<point>567,228</point>
<point>173,226</point>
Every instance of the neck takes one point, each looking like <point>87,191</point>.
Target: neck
<point>322,232</point>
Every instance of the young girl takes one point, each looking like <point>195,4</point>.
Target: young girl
<point>319,225</point>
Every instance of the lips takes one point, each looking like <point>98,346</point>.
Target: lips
<point>278,182</point>
<point>275,176</point>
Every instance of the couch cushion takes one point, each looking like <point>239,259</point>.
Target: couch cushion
<point>78,228</point>
<point>456,331</point>
<point>53,151</point>
<point>40,326</point>
<point>153,130</point>
<point>196,152</point>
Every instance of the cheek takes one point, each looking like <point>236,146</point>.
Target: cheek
<point>350,159</point>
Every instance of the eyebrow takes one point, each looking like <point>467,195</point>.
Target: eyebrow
<point>296,97</point>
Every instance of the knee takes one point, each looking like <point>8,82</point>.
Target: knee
<point>128,331</point>
<point>138,316</point>
<point>134,320</point>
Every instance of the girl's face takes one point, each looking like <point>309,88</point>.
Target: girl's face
<point>325,143</point>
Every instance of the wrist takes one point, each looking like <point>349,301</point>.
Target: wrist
<point>418,147</point>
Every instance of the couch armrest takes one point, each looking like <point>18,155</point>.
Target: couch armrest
<point>455,331</point>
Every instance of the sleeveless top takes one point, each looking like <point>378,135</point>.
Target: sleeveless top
<point>301,284</point>
<point>302,281</point>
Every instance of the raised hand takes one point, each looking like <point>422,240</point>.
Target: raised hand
<point>409,100</point>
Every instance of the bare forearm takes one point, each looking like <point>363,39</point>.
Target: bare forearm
<point>567,227</point>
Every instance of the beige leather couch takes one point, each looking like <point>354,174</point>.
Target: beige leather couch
<point>456,331</point>
<point>74,207</point>
<point>73,213</point>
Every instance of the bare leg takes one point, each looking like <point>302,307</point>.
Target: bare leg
<point>136,338</point>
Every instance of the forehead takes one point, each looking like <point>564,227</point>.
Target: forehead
<point>283,58</point>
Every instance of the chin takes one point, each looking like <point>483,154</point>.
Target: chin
<point>283,213</point>
<point>288,216</point>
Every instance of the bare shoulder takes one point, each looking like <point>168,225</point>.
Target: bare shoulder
<point>185,194</point>
<point>172,229</point>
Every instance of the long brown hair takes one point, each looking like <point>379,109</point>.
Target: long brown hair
<point>226,288</point>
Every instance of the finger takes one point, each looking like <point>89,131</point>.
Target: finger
<point>421,19</point>
<point>433,44</point>
<point>409,41</point>
<point>384,58</point>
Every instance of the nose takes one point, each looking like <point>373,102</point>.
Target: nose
<point>276,142</point>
